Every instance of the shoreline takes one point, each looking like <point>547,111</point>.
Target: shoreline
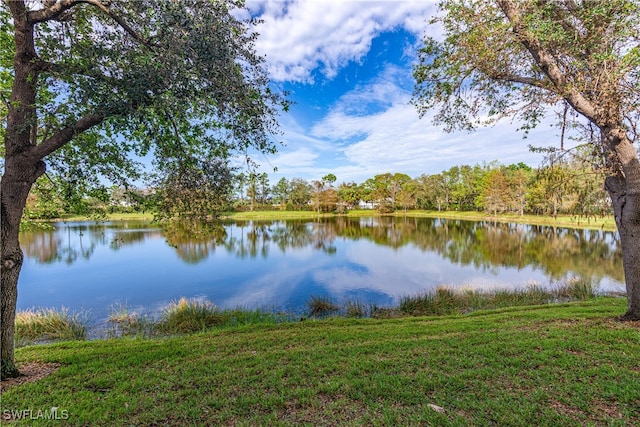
<point>606,223</point>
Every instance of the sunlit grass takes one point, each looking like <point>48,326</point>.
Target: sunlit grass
<point>118,216</point>
<point>48,324</point>
<point>195,315</point>
<point>355,309</point>
<point>577,288</point>
<point>606,222</point>
<point>572,221</point>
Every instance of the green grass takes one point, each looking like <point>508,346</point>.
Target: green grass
<point>555,365</point>
<point>49,325</point>
<point>186,316</point>
<point>189,316</point>
<point>272,215</point>
<point>123,322</point>
<point>109,217</point>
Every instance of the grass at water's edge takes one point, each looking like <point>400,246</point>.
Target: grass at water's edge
<point>186,316</point>
<point>568,364</point>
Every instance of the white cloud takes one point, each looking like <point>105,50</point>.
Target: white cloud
<point>301,36</point>
<point>372,128</point>
<point>396,140</point>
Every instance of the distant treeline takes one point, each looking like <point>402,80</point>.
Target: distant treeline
<point>566,187</point>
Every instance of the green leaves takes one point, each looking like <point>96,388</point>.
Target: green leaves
<point>190,187</point>
<point>484,69</point>
<point>173,79</point>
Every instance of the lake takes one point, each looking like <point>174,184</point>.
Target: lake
<point>278,265</point>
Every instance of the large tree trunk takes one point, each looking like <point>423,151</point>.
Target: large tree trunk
<point>624,189</point>
<point>10,269</point>
<point>15,186</point>
<point>21,169</point>
<point>629,230</point>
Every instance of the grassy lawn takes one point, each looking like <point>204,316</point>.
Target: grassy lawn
<point>555,365</point>
<point>110,217</point>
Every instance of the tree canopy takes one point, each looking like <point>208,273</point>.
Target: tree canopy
<point>519,59</point>
<point>88,86</point>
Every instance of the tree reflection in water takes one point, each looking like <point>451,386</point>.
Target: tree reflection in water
<point>194,240</point>
<point>482,244</point>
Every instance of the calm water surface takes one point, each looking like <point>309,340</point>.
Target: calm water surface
<point>280,264</point>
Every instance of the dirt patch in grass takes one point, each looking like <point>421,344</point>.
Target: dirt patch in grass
<point>30,372</point>
<point>327,410</point>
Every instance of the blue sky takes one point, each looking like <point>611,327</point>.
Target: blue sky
<point>347,64</point>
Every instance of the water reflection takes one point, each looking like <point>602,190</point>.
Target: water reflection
<point>283,262</point>
<point>194,241</point>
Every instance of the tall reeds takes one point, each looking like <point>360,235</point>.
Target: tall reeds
<point>48,324</point>
<point>186,316</point>
<point>445,300</point>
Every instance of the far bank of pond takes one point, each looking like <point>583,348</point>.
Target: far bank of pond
<point>606,223</point>
<point>278,264</point>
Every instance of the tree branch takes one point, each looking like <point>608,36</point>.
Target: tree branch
<point>54,11</point>
<point>530,81</point>
<point>92,72</point>
<point>63,136</point>
<point>546,62</point>
<point>51,12</point>
<point>563,19</point>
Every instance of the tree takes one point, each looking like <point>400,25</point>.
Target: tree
<point>432,192</point>
<point>193,188</point>
<point>495,195</point>
<point>281,191</point>
<point>519,59</point>
<point>300,194</point>
<point>385,189</point>
<point>406,198</point>
<point>348,195</point>
<point>255,186</point>
<point>325,197</point>
<point>92,81</point>
<point>519,177</point>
